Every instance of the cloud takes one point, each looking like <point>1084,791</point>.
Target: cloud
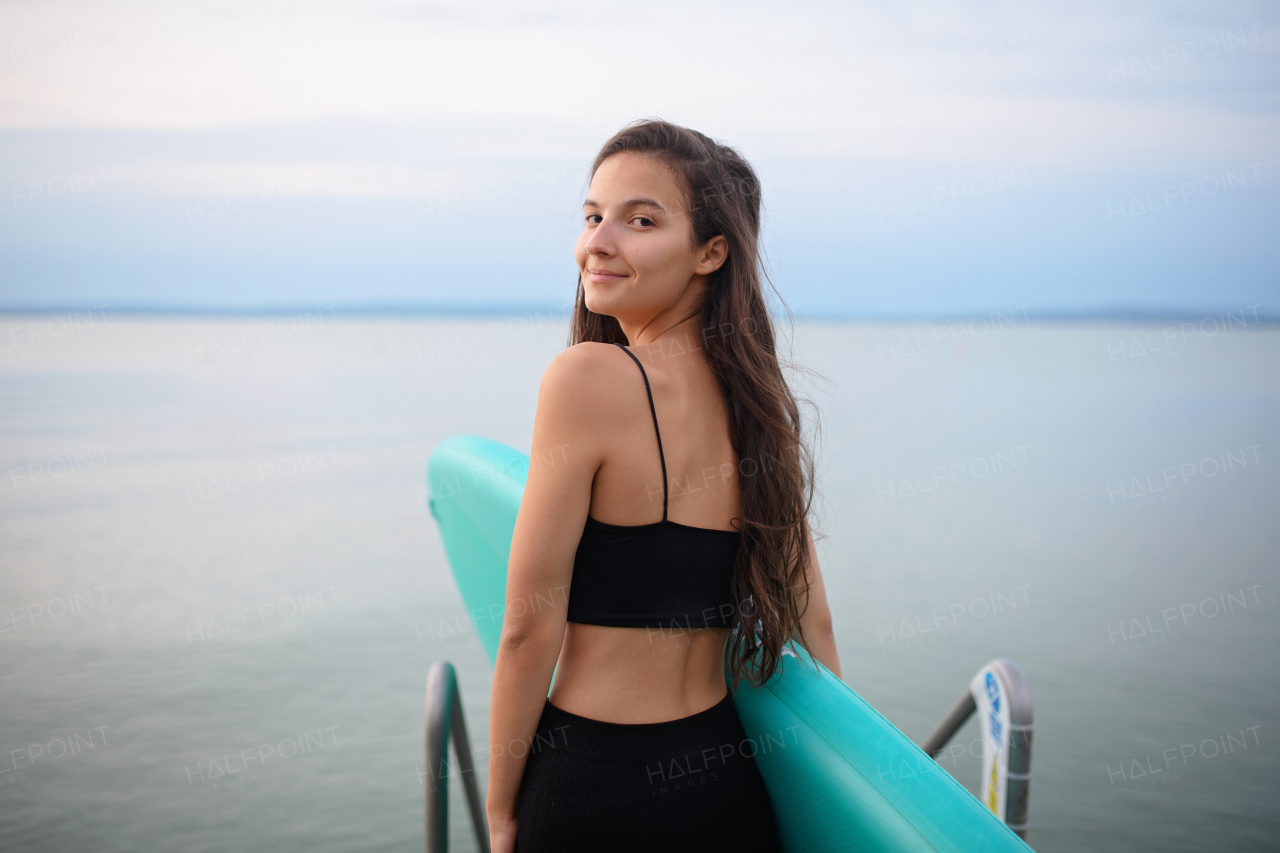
<point>280,179</point>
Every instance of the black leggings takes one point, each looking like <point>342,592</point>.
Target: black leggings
<point>688,784</point>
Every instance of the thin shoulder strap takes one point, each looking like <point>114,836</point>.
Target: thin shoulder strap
<point>661,456</point>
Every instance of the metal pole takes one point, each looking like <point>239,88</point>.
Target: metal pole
<point>441,685</point>
<point>467,767</point>
<point>443,714</point>
<point>951,723</point>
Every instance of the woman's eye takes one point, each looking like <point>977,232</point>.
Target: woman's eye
<point>643,221</point>
<point>594,218</point>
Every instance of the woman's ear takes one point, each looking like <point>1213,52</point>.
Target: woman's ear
<point>712,255</point>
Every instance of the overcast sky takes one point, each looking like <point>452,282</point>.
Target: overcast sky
<point>917,159</point>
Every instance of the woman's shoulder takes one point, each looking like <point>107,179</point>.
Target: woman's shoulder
<point>586,363</point>
<point>586,377</point>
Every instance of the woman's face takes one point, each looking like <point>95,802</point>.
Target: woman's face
<point>635,252</point>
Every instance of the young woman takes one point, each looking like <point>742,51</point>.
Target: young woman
<point>663,533</point>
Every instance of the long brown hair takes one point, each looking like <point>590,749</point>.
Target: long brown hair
<point>769,588</point>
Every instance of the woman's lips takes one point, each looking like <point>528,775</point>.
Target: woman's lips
<point>602,276</point>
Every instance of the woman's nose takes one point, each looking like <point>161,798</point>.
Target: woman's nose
<point>600,242</point>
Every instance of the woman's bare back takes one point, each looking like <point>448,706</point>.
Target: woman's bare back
<point>645,675</point>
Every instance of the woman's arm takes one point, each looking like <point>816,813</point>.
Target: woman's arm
<point>564,457</point>
<point>816,620</point>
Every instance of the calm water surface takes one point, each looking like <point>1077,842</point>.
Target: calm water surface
<point>215,557</point>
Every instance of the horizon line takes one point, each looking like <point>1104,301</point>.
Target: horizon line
<point>1128,313</point>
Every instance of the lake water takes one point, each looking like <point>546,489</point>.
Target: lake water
<point>215,556</point>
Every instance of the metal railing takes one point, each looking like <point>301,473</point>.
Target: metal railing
<point>1000,692</point>
<point>444,717</point>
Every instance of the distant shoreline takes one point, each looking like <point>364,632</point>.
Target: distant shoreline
<point>1247,315</point>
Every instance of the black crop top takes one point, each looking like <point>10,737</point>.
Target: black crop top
<point>660,575</point>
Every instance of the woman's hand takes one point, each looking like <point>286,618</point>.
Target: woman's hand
<point>502,834</point>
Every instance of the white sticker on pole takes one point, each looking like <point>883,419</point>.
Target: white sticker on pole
<point>991,696</point>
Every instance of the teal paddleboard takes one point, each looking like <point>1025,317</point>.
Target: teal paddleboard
<point>840,776</point>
